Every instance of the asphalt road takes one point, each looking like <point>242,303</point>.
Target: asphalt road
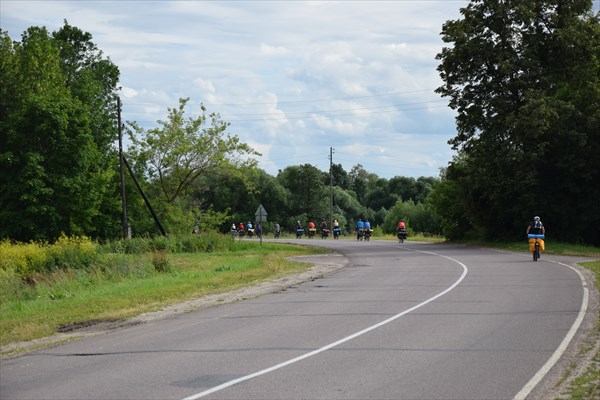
<point>400,321</point>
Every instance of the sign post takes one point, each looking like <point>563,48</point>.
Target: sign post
<point>261,216</point>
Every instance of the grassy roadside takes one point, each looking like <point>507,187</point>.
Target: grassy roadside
<point>56,301</point>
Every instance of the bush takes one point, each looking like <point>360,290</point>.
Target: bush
<point>24,259</point>
<point>27,259</point>
<point>73,252</point>
<point>160,261</point>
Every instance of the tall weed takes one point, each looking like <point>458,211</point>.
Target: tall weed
<point>27,259</point>
<point>206,242</point>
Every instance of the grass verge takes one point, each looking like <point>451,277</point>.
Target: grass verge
<point>126,285</point>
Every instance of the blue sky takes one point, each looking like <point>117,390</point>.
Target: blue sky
<point>293,78</point>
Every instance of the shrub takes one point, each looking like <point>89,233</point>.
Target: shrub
<point>161,261</point>
<point>26,259</point>
<point>73,252</point>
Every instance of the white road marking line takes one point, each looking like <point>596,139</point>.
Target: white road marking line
<point>337,343</point>
<point>524,392</point>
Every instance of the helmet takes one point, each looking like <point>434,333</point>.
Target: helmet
<point>536,218</point>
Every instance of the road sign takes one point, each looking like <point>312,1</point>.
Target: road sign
<point>261,214</point>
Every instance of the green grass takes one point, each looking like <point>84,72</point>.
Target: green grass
<point>128,285</point>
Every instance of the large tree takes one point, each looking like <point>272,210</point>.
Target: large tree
<point>183,149</point>
<point>308,194</point>
<point>524,78</point>
<point>53,175</point>
<point>175,155</point>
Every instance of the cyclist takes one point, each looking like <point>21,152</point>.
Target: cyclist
<point>536,227</point>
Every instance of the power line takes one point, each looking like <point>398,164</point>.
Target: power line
<point>307,101</point>
<point>319,115</point>
<point>325,99</point>
<point>343,109</point>
<point>322,114</point>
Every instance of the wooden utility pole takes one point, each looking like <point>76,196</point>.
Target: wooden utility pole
<point>122,173</point>
<point>331,188</point>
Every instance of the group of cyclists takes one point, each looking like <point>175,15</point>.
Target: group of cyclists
<point>312,229</point>
<point>535,231</point>
<point>363,229</point>
<point>249,229</point>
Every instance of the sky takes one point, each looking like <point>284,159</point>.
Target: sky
<point>293,78</point>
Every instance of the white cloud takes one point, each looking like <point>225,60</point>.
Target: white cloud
<point>267,50</point>
<point>293,77</point>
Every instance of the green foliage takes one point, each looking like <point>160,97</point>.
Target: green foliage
<point>523,78</point>
<point>419,217</point>
<point>307,190</point>
<point>123,285</point>
<point>28,259</point>
<point>183,150</point>
<point>205,242</point>
<point>53,166</point>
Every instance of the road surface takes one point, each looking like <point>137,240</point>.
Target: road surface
<point>400,321</point>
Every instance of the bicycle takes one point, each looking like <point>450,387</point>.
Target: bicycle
<point>536,243</point>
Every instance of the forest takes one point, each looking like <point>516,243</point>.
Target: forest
<point>523,78</point>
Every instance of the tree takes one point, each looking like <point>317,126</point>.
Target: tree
<point>360,180</point>
<point>523,78</point>
<point>340,176</point>
<point>51,178</point>
<point>92,79</point>
<point>182,150</point>
<point>309,195</point>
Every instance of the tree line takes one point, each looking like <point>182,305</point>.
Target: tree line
<point>524,79</point>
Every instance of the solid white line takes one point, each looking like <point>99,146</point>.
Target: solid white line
<point>337,343</point>
<point>523,393</point>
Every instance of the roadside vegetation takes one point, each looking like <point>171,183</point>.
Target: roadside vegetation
<point>48,288</point>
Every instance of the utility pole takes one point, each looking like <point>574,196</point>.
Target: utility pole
<point>121,165</point>
<point>331,188</point>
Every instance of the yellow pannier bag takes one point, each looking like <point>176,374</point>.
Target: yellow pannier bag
<point>532,244</point>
